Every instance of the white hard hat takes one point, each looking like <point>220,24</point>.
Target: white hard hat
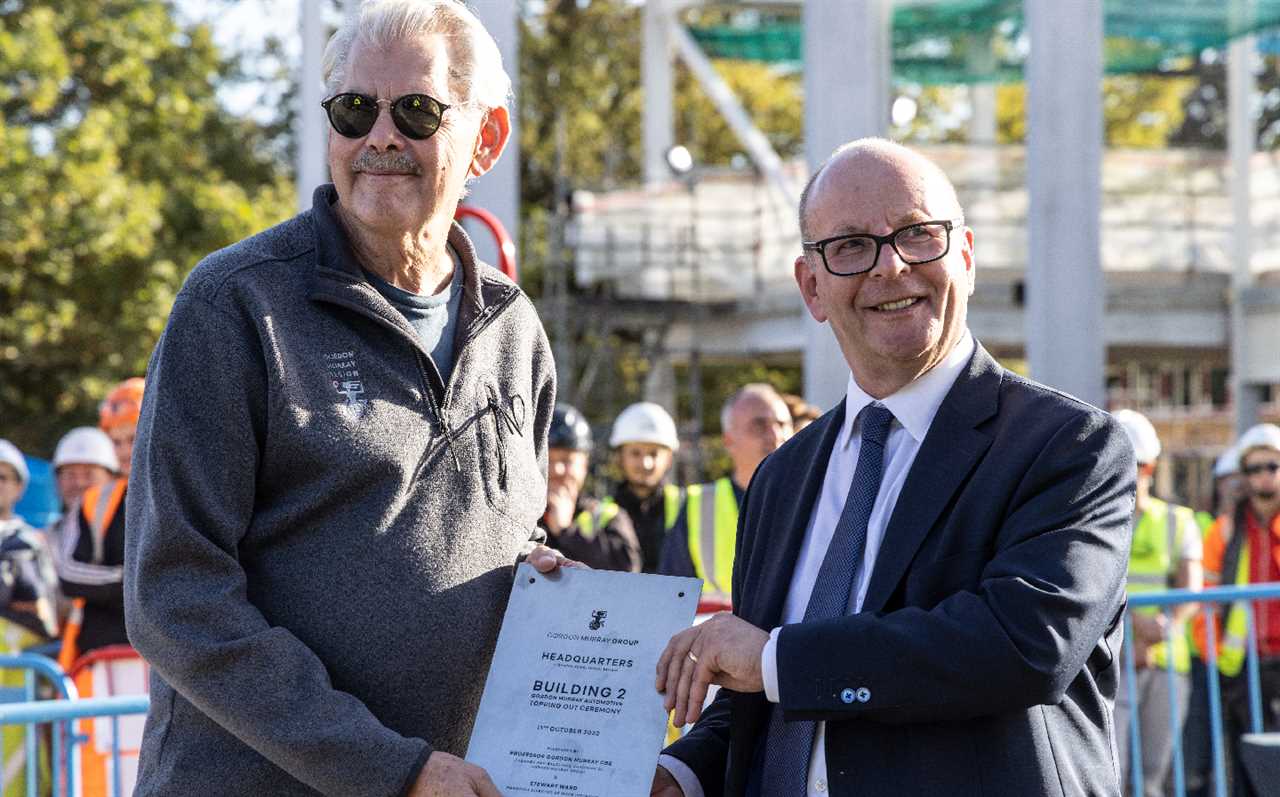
<point>1227,463</point>
<point>644,422</point>
<point>1146,443</point>
<point>86,445</point>
<point>1264,435</point>
<point>10,455</point>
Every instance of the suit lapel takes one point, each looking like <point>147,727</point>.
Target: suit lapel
<point>779,538</point>
<point>950,451</point>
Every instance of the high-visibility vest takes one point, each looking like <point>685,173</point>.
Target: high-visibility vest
<point>1232,640</point>
<point>1153,558</point>
<point>711,513</point>
<point>13,738</point>
<point>1232,635</point>
<point>1232,648</point>
<point>589,523</point>
<point>99,505</point>
<point>672,500</point>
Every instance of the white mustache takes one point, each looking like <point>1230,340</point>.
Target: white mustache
<point>374,162</point>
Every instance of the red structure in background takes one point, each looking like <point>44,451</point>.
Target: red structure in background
<point>506,246</point>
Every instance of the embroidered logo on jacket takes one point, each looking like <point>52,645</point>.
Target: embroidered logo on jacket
<point>345,378</point>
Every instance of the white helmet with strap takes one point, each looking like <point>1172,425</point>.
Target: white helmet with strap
<point>86,445</point>
<point>644,422</point>
<point>1146,443</point>
<point>1264,435</point>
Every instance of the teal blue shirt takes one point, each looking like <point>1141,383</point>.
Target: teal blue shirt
<point>434,318</point>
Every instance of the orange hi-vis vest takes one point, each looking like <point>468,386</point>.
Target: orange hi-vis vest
<point>1231,633</point>
<point>99,506</point>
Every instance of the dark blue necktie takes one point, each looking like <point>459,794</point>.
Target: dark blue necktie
<point>789,745</point>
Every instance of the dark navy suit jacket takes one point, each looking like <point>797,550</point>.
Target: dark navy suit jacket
<point>985,659</point>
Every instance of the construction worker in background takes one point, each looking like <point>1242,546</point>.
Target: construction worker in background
<point>1197,746</point>
<point>644,437</point>
<point>1229,485</point>
<point>597,533</point>
<point>89,553</point>
<point>1166,552</point>
<point>28,583</point>
<point>755,421</point>
<point>1243,547</point>
<point>85,458</point>
<point>28,605</point>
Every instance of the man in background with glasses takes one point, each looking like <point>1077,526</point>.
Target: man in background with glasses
<point>929,579</point>
<point>342,452</point>
<point>1243,547</point>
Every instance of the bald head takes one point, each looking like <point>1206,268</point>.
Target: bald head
<point>895,315</point>
<point>874,159</point>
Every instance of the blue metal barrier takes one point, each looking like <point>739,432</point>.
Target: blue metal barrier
<point>1211,599</point>
<point>61,715</point>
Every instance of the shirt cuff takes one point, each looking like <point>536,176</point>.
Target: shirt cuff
<point>684,776</point>
<point>769,667</point>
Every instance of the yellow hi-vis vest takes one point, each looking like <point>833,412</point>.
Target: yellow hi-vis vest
<point>590,522</point>
<point>711,513</point>
<point>672,498</point>
<point>1232,649</point>
<point>1153,559</point>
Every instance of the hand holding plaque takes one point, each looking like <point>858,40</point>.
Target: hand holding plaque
<point>569,706</point>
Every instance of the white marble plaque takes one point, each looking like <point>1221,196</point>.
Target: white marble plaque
<point>570,706</point>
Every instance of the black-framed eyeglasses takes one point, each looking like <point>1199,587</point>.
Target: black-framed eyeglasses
<point>922,242</point>
<point>1262,467</point>
<point>353,115</point>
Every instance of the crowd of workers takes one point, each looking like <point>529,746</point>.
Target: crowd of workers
<point>61,586</point>
<point>1234,542</point>
<point>649,524</point>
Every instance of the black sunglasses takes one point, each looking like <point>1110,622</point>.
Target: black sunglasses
<point>353,115</point>
<point>1261,467</point>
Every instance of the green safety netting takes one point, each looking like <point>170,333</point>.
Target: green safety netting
<point>972,41</point>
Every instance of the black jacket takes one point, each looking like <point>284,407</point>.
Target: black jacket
<point>989,636</point>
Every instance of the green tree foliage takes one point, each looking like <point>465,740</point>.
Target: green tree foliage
<point>581,124</point>
<point>1205,121</point>
<point>773,97</point>
<point>118,171</point>
<point>1138,111</point>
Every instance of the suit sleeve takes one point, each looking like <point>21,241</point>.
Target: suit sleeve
<point>705,748</point>
<point>191,501</point>
<point>1050,589</point>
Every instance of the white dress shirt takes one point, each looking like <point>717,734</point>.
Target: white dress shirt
<point>913,408</point>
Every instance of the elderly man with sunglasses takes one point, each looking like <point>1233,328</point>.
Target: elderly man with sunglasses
<point>342,452</point>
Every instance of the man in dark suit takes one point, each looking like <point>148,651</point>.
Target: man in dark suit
<point>928,582</point>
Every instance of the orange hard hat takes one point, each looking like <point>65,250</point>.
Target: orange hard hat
<point>122,405</point>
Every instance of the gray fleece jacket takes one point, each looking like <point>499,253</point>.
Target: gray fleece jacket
<point>320,533</point>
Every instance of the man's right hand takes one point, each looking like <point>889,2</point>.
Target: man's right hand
<point>449,776</point>
<point>664,785</point>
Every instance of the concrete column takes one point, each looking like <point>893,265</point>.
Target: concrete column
<point>499,191</point>
<point>846,84</point>
<point>1241,142</point>
<point>658,79</point>
<point>310,127</point>
<point>1065,286</point>
<point>982,96</point>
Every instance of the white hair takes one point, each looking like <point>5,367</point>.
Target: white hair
<point>476,73</point>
